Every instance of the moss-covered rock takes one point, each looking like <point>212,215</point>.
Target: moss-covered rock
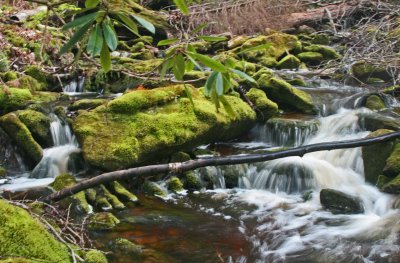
<point>26,82</point>
<point>180,157</point>
<point>153,189</point>
<point>267,107</point>
<point>38,124</point>
<point>285,94</point>
<point>192,181</point>
<point>289,62</point>
<point>320,39</point>
<point>374,156</point>
<point>95,256</point>
<point>297,82</point>
<point>375,121</point>
<point>44,79</point>
<point>363,71</point>
<point>311,58</point>
<point>21,135</point>
<point>392,167</point>
<point>2,171</point>
<point>86,104</point>
<point>174,184</point>
<point>340,203</point>
<point>155,132</point>
<point>374,102</point>
<point>78,200</point>
<point>102,221</point>
<point>112,199</point>
<point>125,247</point>
<point>8,76</point>
<point>12,99</point>
<point>393,186</point>
<point>22,236</point>
<point>327,52</point>
<point>122,193</point>
<point>382,180</point>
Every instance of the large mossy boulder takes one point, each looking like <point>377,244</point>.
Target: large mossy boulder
<point>23,237</point>
<point>374,156</point>
<point>12,99</point>
<point>38,124</point>
<point>287,96</point>
<point>147,125</point>
<point>267,107</point>
<point>22,137</point>
<point>340,203</point>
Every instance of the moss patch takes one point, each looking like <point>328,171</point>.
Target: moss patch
<point>174,184</point>
<point>267,107</point>
<point>95,256</point>
<point>392,167</point>
<point>38,124</point>
<point>86,104</point>
<point>311,58</point>
<point>102,221</point>
<point>374,102</point>
<point>22,236</point>
<point>12,99</point>
<point>289,62</point>
<point>393,186</point>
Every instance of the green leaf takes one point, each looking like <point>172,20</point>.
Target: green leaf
<point>194,62</point>
<point>256,48</point>
<point>76,37</point>
<point>243,75</point>
<point>219,84</point>
<point>146,24</point>
<point>215,99</point>
<point>128,22</point>
<point>181,4</point>
<point>227,106</point>
<point>199,28</point>
<point>110,36</point>
<point>105,58</point>
<point>179,67</point>
<point>91,3</point>
<point>167,64</point>
<point>95,43</point>
<point>190,48</point>
<point>212,39</point>
<point>188,93</point>
<point>209,62</point>
<point>208,87</point>
<point>83,20</point>
<point>167,42</point>
<point>189,66</point>
<point>227,82</point>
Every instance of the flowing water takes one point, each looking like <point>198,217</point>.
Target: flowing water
<point>275,214</point>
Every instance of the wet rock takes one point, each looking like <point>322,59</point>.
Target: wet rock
<point>267,107</point>
<point>175,185</point>
<point>327,52</point>
<point>340,203</point>
<point>78,200</point>
<point>153,124</point>
<point>393,186</point>
<point>191,181</point>
<point>374,156</point>
<point>363,71</point>
<point>122,192</point>
<point>311,58</point>
<point>125,247</point>
<point>180,157</point>
<point>232,173</point>
<point>95,256</point>
<point>21,135</point>
<point>25,238</point>
<point>382,180</point>
<point>376,121</point>
<point>285,94</point>
<point>374,102</point>
<point>153,189</point>
<point>392,167</point>
<point>102,221</point>
<point>39,125</point>
<point>393,90</point>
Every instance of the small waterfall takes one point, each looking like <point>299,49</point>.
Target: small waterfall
<point>75,85</point>
<point>55,159</point>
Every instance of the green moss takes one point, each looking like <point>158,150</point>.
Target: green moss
<point>321,39</point>
<point>363,71</point>
<point>14,38</point>
<point>392,167</point>
<point>20,134</point>
<point>42,77</point>
<point>393,186</point>
<point>86,104</point>
<point>191,181</point>
<point>4,62</point>
<point>13,99</point>
<point>95,256</point>
<point>180,157</point>
<point>285,94</point>
<point>374,102</point>
<point>38,124</point>
<point>327,52</point>
<point>102,221</point>
<point>311,58</point>
<point>382,180</point>
<point>8,76</point>
<point>26,82</point>
<point>153,189</point>
<point>373,162</point>
<point>2,171</point>
<point>24,237</point>
<point>297,82</point>
<point>289,62</point>
<point>122,192</point>
<point>124,246</point>
<point>78,200</point>
<point>268,62</point>
<point>260,100</point>
<point>112,199</point>
<point>175,185</point>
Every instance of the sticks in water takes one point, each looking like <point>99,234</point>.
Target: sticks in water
<point>216,161</point>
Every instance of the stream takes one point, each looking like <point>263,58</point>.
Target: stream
<point>275,214</point>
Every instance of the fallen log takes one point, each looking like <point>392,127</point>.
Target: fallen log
<point>216,161</point>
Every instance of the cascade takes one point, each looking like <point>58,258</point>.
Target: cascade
<point>75,85</point>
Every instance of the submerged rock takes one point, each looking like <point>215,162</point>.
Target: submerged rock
<point>374,156</point>
<point>20,134</point>
<point>102,221</point>
<point>23,237</point>
<point>152,124</point>
<point>340,203</point>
